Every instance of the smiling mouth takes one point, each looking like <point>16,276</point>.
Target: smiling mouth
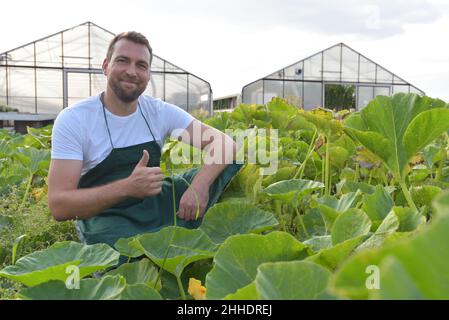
<point>129,83</point>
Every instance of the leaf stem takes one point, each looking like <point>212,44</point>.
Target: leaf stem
<point>300,171</point>
<point>323,173</point>
<point>443,153</point>
<point>371,175</point>
<point>173,193</point>
<point>327,169</point>
<point>165,258</point>
<point>357,172</point>
<point>181,288</point>
<point>407,195</point>
<point>301,221</point>
<point>30,180</point>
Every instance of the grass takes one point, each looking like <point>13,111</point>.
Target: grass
<point>34,220</point>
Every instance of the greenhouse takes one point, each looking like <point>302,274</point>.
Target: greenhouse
<point>336,78</point>
<point>54,72</point>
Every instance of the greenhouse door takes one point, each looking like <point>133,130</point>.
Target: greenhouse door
<point>339,96</point>
<point>79,84</point>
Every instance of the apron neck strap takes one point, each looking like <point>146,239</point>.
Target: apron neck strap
<point>106,119</point>
<point>140,109</point>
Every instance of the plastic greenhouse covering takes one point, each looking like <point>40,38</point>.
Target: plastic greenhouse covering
<point>312,82</point>
<point>52,73</point>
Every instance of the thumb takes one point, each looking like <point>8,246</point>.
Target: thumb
<point>144,160</point>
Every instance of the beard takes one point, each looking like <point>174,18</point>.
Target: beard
<point>124,95</point>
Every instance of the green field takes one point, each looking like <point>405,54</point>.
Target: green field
<point>357,209</point>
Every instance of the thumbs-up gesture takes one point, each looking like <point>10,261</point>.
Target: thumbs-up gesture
<point>144,181</point>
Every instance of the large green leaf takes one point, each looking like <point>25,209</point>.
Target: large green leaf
<point>170,284</point>
<point>139,291</point>
<point>388,226</point>
<point>441,203</point>
<point>409,219</point>
<point>346,201</point>
<point>347,143</point>
<point>421,260</point>
<point>332,257</point>
<point>173,248</point>
<point>284,173</point>
<point>293,280</point>
<point>246,293</point>
<point>106,288</point>
<point>424,128</point>
<point>352,186</point>
<point>350,224</point>
<point>219,120</point>
<point>226,219</point>
<point>396,283</point>
<point>338,156</point>
<point>318,243</point>
<point>330,207</point>
<point>378,205</point>
<point>140,272</point>
<point>396,128</point>
<point>51,263</point>
<point>244,113</point>
<point>5,149</point>
<point>314,223</point>
<point>323,121</point>
<point>375,143</point>
<point>239,256</point>
<point>298,122</point>
<point>33,159</point>
<point>419,173</point>
<point>424,195</point>
<point>281,113</point>
<point>329,216</point>
<point>291,190</point>
<point>431,154</point>
<point>127,247</point>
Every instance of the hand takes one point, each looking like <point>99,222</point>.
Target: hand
<point>144,181</point>
<point>188,204</point>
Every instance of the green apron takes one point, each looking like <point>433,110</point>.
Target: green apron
<point>135,216</point>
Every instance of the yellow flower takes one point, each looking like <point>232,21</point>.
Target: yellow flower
<point>38,193</point>
<point>196,290</point>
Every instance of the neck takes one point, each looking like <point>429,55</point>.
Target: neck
<point>116,106</point>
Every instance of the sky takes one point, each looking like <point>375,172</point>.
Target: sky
<point>234,42</point>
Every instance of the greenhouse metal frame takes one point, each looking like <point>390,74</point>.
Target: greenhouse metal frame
<point>304,83</point>
<point>49,74</point>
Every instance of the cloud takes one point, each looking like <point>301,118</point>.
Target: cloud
<point>363,18</point>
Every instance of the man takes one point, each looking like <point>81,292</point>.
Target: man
<point>105,170</point>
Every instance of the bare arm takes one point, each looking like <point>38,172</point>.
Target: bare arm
<point>67,202</point>
<point>220,150</point>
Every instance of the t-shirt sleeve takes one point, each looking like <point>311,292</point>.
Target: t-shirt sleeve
<point>174,119</point>
<point>67,137</point>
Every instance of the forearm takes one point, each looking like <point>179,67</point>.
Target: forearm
<point>215,164</point>
<point>87,202</point>
<point>207,175</point>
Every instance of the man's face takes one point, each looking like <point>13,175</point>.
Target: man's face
<point>128,71</point>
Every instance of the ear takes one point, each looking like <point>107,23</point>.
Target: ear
<point>105,66</point>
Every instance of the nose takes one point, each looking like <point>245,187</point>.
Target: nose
<point>131,70</point>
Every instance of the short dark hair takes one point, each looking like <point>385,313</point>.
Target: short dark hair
<point>132,36</point>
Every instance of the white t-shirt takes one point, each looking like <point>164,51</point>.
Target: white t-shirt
<point>80,132</point>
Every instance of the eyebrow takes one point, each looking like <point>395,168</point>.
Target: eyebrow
<point>127,58</point>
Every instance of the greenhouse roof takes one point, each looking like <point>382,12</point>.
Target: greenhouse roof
<point>82,46</point>
<point>338,63</point>
<point>325,78</point>
<point>56,71</point>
